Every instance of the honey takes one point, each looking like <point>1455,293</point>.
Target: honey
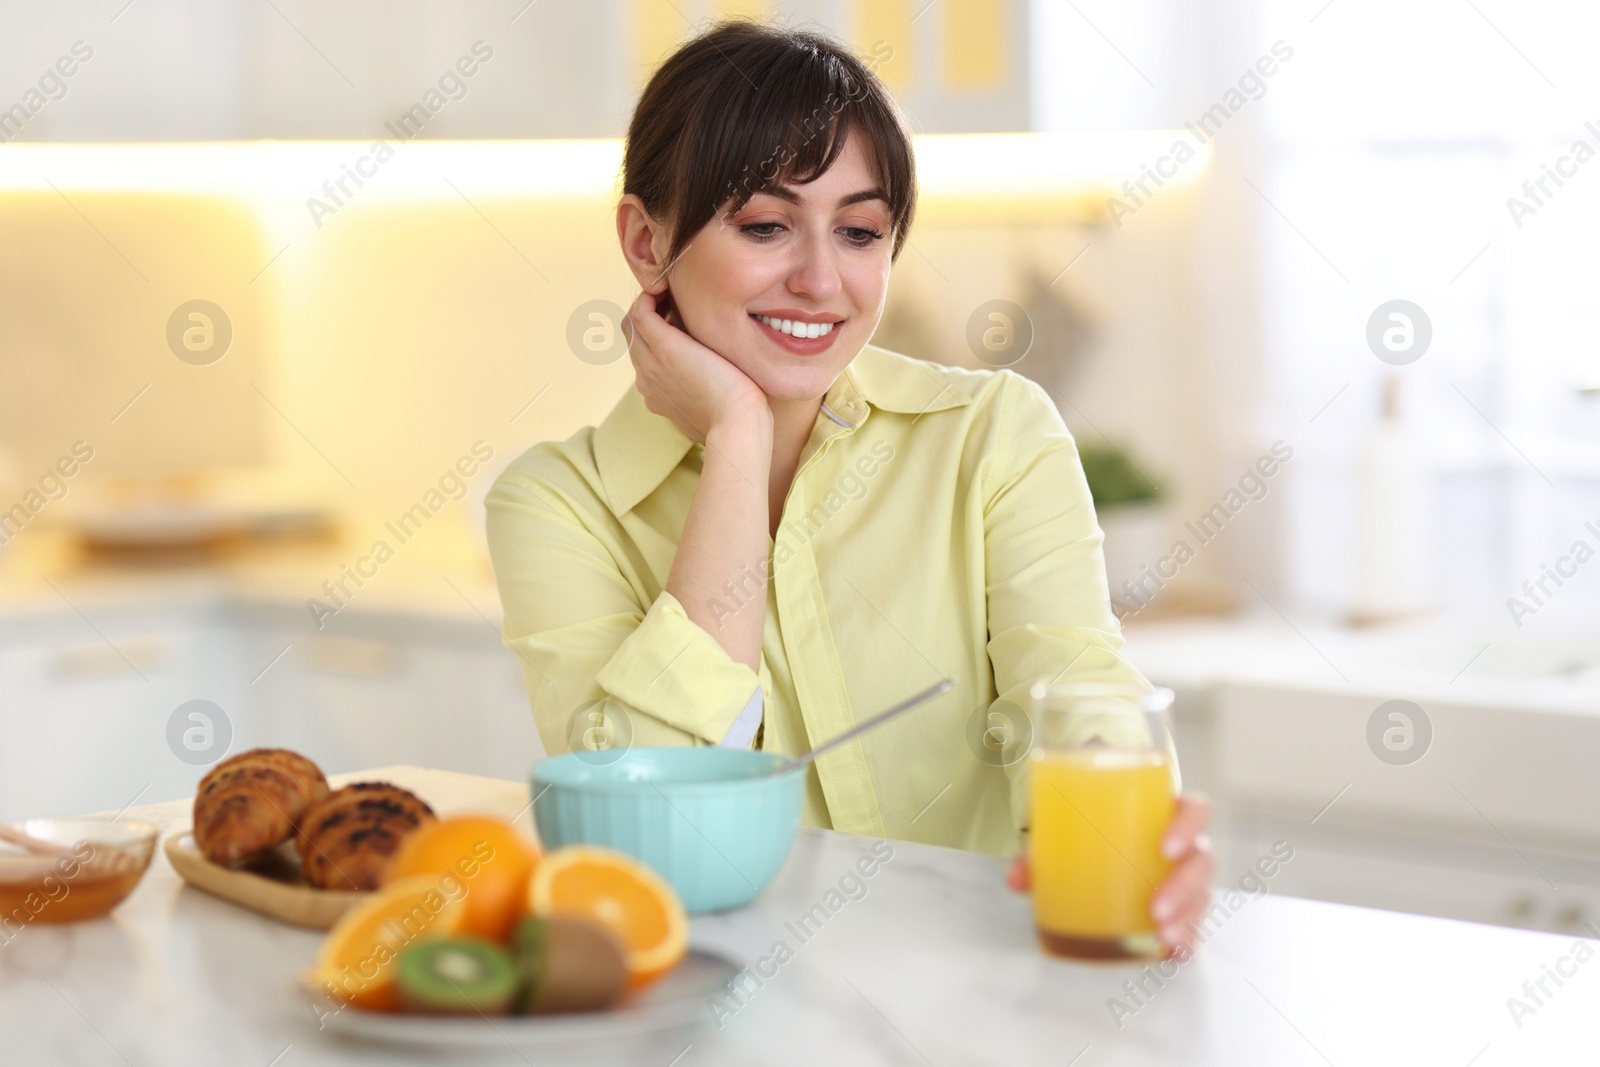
<point>83,884</point>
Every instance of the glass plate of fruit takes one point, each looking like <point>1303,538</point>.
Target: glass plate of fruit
<point>475,938</point>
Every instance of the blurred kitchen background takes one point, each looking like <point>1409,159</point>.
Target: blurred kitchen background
<point>284,285</point>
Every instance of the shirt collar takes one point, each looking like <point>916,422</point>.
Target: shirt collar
<point>635,449</point>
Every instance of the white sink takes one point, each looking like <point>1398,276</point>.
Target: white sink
<point>1498,658</point>
<point>1514,721</point>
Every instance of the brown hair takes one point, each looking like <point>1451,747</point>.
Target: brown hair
<point>746,105</point>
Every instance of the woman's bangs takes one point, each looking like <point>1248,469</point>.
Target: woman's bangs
<point>795,143</point>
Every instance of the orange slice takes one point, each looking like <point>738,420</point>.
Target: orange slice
<point>617,891</point>
<point>487,857</point>
<point>356,963</point>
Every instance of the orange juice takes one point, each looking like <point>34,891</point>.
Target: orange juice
<point>1095,848</point>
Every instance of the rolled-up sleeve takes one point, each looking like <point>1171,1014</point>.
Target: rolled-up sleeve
<point>670,668</point>
<point>1050,617</point>
<point>589,642</point>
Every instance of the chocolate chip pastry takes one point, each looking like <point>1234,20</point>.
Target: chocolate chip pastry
<point>252,802</point>
<point>347,839</point>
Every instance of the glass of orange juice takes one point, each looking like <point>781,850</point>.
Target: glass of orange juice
<point>1103,785</point>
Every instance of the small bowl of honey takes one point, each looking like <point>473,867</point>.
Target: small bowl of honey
<point>69,870</point>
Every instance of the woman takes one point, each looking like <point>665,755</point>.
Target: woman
<point>781,529</point>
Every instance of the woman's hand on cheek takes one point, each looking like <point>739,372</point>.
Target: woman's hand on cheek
<point>685,381</point>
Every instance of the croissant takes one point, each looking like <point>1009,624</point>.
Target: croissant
<point>251,802</point>
<point>348,838</point>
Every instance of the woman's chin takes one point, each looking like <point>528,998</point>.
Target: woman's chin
<point>799,382</point>
<point>792,391</point>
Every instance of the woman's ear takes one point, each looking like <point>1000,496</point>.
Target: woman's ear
<point>644,244</point>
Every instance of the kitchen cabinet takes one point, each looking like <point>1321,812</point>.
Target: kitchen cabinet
<point>203,71</point>
<point>84,715</point>
<point>1493,819</point>
<point>1378,867</point>
<point>378,688</point>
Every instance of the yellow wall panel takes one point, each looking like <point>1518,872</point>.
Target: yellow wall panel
<point>973,36</point>
<point>755,9</point>
<point>888,21</point>
<point>91,282</point>
<point>657,29</point>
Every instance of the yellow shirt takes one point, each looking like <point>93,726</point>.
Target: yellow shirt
<point>939,524</point>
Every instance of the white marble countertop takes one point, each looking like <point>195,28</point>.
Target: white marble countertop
<point>1472,660</point>
<point>935,965</point>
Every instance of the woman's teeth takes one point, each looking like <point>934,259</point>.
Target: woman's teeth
<point>797,329</point>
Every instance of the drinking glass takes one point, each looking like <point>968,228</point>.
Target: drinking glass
<point>1103,788</point>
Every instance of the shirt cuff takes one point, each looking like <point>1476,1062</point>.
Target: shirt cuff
<point>671,669</point>
<point>743,731</point>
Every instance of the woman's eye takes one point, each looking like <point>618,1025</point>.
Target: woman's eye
<point>860,236</point>
<point>751,228</point>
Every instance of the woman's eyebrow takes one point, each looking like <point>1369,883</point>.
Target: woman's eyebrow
<point>784,192</point>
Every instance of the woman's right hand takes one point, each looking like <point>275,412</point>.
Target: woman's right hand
<point>682,379</point>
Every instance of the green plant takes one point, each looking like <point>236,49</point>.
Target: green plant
<point>1114,478</point>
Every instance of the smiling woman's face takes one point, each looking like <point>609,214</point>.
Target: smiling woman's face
<point>818,252</point>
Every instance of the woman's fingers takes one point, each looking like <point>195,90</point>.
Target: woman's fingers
<point>670,393</point>
<point>643,325</point>
<point>1184,895</point>
<point>1186,892</point>
<point>1190,818</point>
<point>679,377</point>
<point>647,324</point>
<point>1019,877</point>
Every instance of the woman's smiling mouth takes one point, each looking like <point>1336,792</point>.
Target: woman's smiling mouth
<point>794,327</point>
<point>794,335</point>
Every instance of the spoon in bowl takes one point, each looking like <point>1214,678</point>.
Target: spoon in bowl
<point>861,728</point>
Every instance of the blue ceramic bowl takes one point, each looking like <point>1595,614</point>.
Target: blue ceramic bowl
<point>701,816</point>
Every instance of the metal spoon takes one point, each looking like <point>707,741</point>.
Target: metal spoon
<point>856,731</point>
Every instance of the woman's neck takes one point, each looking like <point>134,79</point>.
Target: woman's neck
<point>792,421</point>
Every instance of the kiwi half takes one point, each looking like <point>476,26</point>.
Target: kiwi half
<point>463,975</point>
<point>567,964</point>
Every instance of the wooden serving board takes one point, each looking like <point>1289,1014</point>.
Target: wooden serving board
<point>271,884</point>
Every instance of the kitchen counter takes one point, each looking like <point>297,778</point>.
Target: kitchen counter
<point>935,963</point>
<point>1486,812</point>
<point>1475,660</point>
<point>47,575</point>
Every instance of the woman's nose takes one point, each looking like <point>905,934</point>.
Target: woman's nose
<point>816,274</point>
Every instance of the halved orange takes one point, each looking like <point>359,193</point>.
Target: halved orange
<point>617,891</point>
<point>356,963</point>
<point>488,857</point>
